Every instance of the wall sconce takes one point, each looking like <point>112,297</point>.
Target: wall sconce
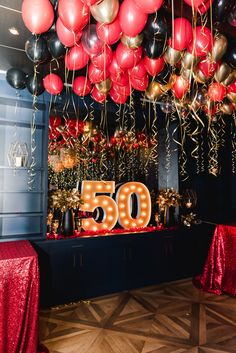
<point>18,155</point>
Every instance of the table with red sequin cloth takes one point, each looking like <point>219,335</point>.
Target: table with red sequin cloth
<point>19,297</point>
<point>219,272</point>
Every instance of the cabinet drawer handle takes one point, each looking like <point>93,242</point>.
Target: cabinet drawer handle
<point>77,246</point>
<point>81,260</point>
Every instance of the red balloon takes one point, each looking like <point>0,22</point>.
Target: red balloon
<point>114,68</point>
<point>200,5</point>
<point>74,14</point>
<point>232,87</point>
<point>182,34</point>
<point>104,59</point>
<point>216,92</point>
<point>149,6</point>
<point>38,15</point>
<point>202,41</point>
<point>121,79</point>
<point>53,84</point>
<point>67,37</point>
<point>97,95</point>
<point>96,75</point>
<point>122,90</point>
<point>139,84</point>
<point>76,58</point>
<point>117,98</point>
<point>154,66</point>
<point>180,87</point>
<point>139,71</point>
<point>81,86</point>
<point>109,33</point>
<point>132,20</point>
<point>126,57</point>
<point>90,2</point>
<point>208,67</point>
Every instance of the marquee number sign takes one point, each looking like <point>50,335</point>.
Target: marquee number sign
<point>113,211</point>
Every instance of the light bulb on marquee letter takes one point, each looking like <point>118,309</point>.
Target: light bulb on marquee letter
<point>89,189</point>
<point>123,199</point>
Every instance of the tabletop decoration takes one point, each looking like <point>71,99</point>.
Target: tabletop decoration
<point>66,201</point>
<point>168,198</point>
<point>189,219</point>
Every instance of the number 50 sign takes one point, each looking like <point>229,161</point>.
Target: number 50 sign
<point>119,210</point>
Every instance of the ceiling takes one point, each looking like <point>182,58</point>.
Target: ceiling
<point>12,48</point>
<point>12,53</point>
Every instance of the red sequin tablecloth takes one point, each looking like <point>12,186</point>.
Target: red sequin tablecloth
<point>219,272</point>
<point>19,297</point>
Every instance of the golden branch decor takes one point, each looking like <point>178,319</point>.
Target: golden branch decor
<point>167,198</point>
<point>65,199</point>
<point>189,219</point>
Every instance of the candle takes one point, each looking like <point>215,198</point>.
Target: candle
<point>18,161</point>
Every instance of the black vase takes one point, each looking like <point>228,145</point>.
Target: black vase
<point>67,227</point>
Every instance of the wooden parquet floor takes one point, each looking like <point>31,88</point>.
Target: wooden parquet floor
<point>173,317</point>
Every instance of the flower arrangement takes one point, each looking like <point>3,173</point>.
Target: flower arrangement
<point>167,198</point>
<point>189,219</point>
<point>65,199</point>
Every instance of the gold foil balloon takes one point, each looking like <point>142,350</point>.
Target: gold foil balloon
<point>154,91</point>
<point>219,47</point>
<point>230,78</point>
<point>189,61</point>
<point>199,76</point>
<point>132,42</point>
<point>232,97</point>
<point>169,85</point>
<point>227,108</point>
<point>105,11</point>
<point>186,74</point>
<point>222,73</point>
<point>104,86</point>
<point>172,56</point>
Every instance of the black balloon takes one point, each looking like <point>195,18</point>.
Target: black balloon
<point>164,76</point>
<point>230,55</point>
<point>156,25</point>
<point>16,78</point>
<point>36,49</point>
<point>55,47</point>
<point>154,48</point>
<point>232,17</point>
<point>34,84</point>
<point>221,9</point>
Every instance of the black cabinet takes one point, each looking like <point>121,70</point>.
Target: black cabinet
<point>74,269</point>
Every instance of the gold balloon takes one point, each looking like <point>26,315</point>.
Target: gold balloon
<point>199,76</point>
<point>227,108</point>
<point>104,86</point>
<point>172,56</point>
<point>232,97</point>
<point>154,91</point>
<point>165,88</point>
<point>230,78</point>
<point>186,74</point>
<point>189,61</point>
<point>219,47</point>
<point>132,42</point>
<point>105,11</point>
<point>222,73</point>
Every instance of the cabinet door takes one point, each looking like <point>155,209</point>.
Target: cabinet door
<point>100,268</point>
<point>142,261</point>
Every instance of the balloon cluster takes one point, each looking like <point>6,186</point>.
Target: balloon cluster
<point>132,46</point>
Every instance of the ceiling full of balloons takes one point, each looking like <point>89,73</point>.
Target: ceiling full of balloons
<point>111,49</point>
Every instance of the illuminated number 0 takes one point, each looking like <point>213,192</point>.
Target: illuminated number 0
<point>92,201</point>
<point>123,199</point>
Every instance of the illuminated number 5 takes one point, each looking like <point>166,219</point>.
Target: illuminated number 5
<point>89,190</point>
